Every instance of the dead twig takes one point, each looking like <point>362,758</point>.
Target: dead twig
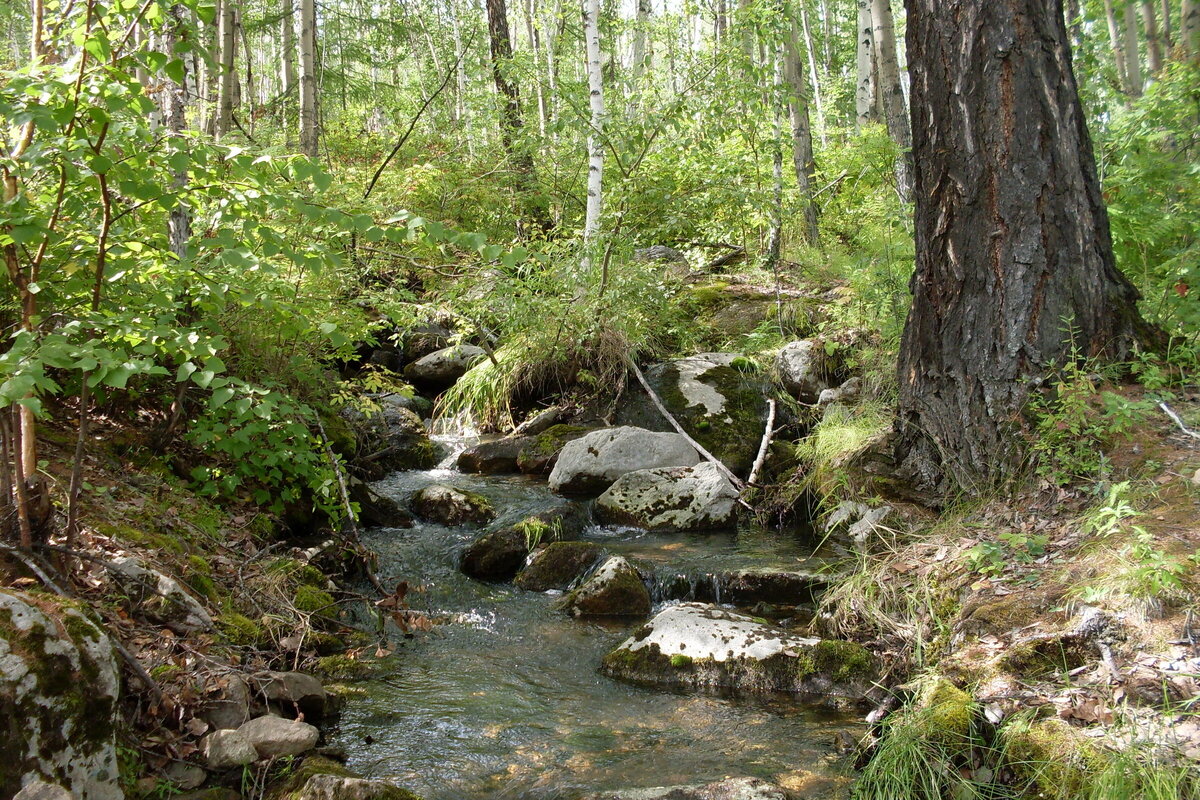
<point>768,434</point>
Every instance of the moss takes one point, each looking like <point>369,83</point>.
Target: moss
<point>298,572</point>
<point>1049,758</point>
<point>343,667</point>
<point>165,672</point>
<point>151,541</point>
<point>709,295</point>
<point>842,661</point>
<point>733,434</point>
<point>1048,655</point>
<point>945,712</point>
<point>315,601</point>
<point>679,660</point>
<point>293,787</point>
<point>538,455</point>
<point>558,565</point>
<point>241,630</point>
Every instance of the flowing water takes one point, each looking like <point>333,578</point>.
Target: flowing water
<point>504,699</point>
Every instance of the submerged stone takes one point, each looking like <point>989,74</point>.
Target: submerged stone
<point>724,649</point>
<point>728,789</point>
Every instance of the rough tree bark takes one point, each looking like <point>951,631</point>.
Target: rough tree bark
<point>308,78</point>
<point>892,92</point>
<point>641,53</point>
<point>287,75</point>
<point>1015,271</point>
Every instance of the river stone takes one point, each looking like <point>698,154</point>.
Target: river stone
<point>439,370</point>
<point>40,790</point>
<point>389,438</point>
<point>185,776</point>
<point>59,685</point>
<point>292,693</point>
<point>422,340</point>
<point>540,421</point>
<point>322,779</point>
<point>540,453</point>
<point>377,510</point>
<point>227,704</point>
<point>276,736</point>
<point>775,586</point>
<point>450,506</point>
<point>493,458</point>
<point>226,749</point>
<point>728,789</point>
<point>497,555</point>
<point>615,589</point>
<point>700,646</point>
<point>803,369</point>
<point>670,499</point>
<point>159,597</point>
<point>591,464</point>
<point>558,565</point>
<point>721,407</point>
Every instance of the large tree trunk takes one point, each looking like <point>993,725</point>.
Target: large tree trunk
<point>641,53</point>
<point>893,94</point>
<point>802,143</point>
<point>595,138</point>
<point>308,78</point>
<point>1154,49</point>
<point>1015,270</point>
<point>1133,61</point>
<point>864,92</point>
<point>1189,28</point>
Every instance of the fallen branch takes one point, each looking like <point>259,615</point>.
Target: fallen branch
<point>41,571</point>
<point>768,434</point>
<point>662,409</point>
<point>1167,410</point>
<point>359,549</point>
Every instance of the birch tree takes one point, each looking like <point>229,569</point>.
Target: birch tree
<point>595,137</point>
<point>1133,61</point>
<point>227,39</point>
<point>1154,49</point>
<point>308,78</point>
<point>892,91</point>
<point>864,88</point>
<point>802,143</point>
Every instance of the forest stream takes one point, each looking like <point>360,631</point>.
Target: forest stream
<point>504,698</point>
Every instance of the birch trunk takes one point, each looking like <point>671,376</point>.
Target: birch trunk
<point>641,61</point>
<point>225,65</point>
<point>802,144</point>
<point>533,27</point>
<point>287,29</point>
<point>595,138</point>
<point>1133,61</point>
<point>1166,28</point>
<point>179,223</point>
<point>775,233</point>
<point>1118,47</point>
<point>308,78</point>
<point>721,21</point>
<point>812,72</point>
<point>1189,28</point>
<point>864,94</point>
<point>1154,50</point>
<point>892,91</point>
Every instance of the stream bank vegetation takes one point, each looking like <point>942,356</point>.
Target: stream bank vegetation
<point>221,277</point>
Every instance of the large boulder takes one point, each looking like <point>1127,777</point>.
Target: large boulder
<point>615,589</point>
<point>227,702</point>
<point>719,405</point>
<point>558,565</point>
<point>424,339</point>
<point>494,457</point>
<point>670,499</point>
<point>539,454</point>
<point>59,684</point>
<point>275,736</point>
<point>592,463</point>
<point>450,506</point>
<point>728,789</point>
<point>389,437</point>
<point>699,646</point>
<point>439,370</point>
<point>159,597</point>
<point>804,369</point>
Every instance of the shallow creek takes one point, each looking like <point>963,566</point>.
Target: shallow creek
<point>504,699</point>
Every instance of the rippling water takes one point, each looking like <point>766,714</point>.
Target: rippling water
<point>504,700</point>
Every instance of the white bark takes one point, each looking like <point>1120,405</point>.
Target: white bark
<point>1189,28</point>
<point>864,93</point>
<point>287,27</point>
<point>1133,61</point>
<point>225,66</point>
<point>641,53</point>
<point>308,78</point>
<point>1118,46</point>
<point>532,25</point>
<point>892,91</point>
<point>812,71</point>
<point>1154,51</point>
<point>595,139</point>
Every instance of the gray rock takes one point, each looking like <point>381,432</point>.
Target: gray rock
<point>185,776</point>
<point>699,646</point>
<point>719,405</point>
<point>494,457</point>
<point>292,693</point>
<point>160,598</point>
<point>558,565</point>
<point>536,423</point>
<point>670,499</point>
<point>803,369</point>
<point>389,438</point>
<point>276,736</point>
<point>227,749</point>
<point>228,705</point>
<point>40,790</point>
<point>421,406</point>
<point>615,589</point>
<point>439,370</point>
<point>674,262</point>
<point>728,789</point>
<point>498,554</point>
<point>592,463</point>
<point>842,394</point>
<point>337,787</point>
<point>540,453</point>
<point>451,506</point>
<point>424,339</point>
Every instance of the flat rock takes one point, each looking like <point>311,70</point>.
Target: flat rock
<point>592,463</point>
<point>292,693</point>
<point>670,499</point>
<point>728,789</point>
<point>615,589</point>
<point>276,736</point>
<point>495,457</point>
<point>40,790</point>
<point>700,646</point>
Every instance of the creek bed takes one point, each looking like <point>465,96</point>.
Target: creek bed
<point>504,699</point>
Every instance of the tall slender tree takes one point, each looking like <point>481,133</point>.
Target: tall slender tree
<point>595,137</point>
<point>802,143</point>
<point>892,92</point>
<point>864,91</point>
<point>1015,271</point>
<point>308,78</point>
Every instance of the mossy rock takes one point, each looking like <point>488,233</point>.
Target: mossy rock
<point>1051,759</point>
<point>615,589</point>
<point>1049,654</point>
<point>719,406</point>
<point>538,454</point>
<point>240,630</point>
<point>451,506</point>
<point>342,667</point>
<point>59,686</point>
<point>943,712</point>
<point>315,601</point>
<point>392,438</point>
<point>558,565</point>
<point>319,778</point>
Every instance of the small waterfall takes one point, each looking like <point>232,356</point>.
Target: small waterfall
<point>667,584</point>
<point>454,435</point>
